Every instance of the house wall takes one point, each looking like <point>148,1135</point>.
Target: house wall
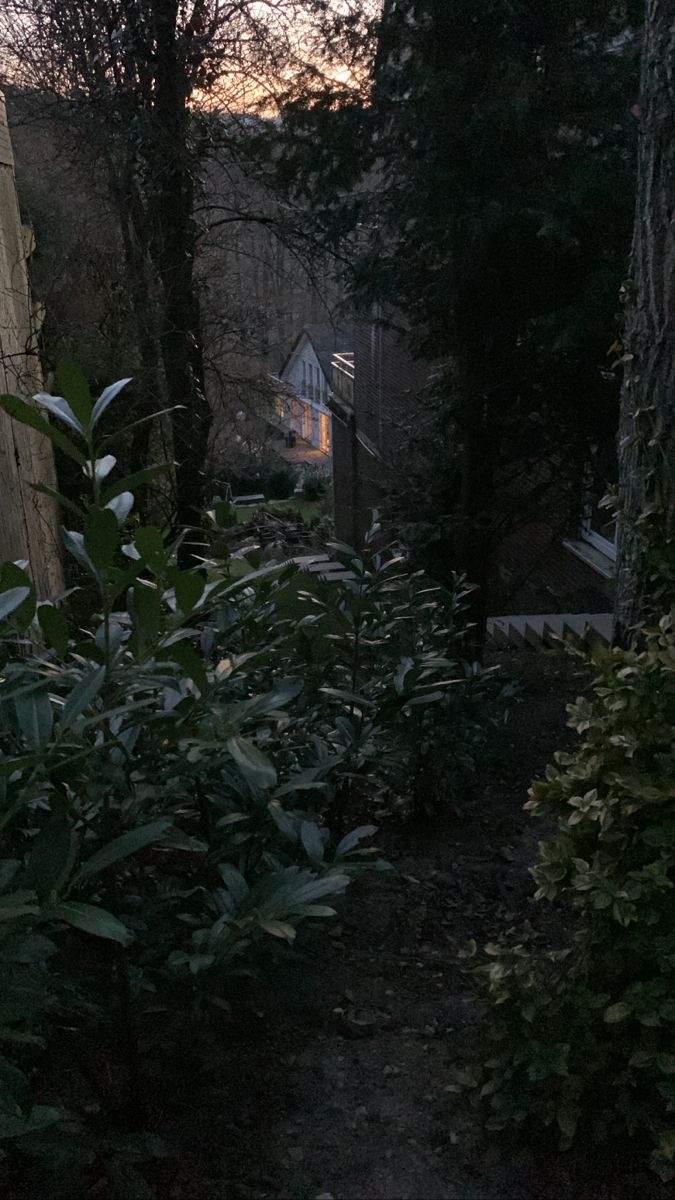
<point>532,571</point>
<point>344,482</point>
<point>388,386</point>
<point>305,375</point>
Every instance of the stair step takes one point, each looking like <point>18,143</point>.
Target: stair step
<point>553,628</point>
<point>575,624</point>
<point>516,627</point>
<point>498,631</point>
<point>534,631</point>
<point>538,630</point>
<point>603,625</point>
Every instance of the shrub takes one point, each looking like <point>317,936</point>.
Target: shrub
<point>314,486</point>
<point>166,765</point>
<point>273,482</point>
<point>583,1036</point>
<point>279,485</point>
<point>383,655</point>
<point>147,781</point>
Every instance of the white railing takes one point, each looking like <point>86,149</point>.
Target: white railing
<point>345,363</point>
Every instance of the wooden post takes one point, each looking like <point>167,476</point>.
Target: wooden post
<point>29,527</point>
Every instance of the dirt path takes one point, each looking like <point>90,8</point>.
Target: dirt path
<point>342,1085</point>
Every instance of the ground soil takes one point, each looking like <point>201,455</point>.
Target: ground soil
<point>337,1085</point>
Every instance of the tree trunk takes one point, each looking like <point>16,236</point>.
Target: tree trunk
<point>473,551</point>
<point>181,339</point>
<point>144,300</point>
<point>646,449</point>
<point>476,433</point>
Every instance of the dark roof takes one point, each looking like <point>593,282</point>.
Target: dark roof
<point>326,340</point>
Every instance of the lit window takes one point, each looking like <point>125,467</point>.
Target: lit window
<point>325,432</point>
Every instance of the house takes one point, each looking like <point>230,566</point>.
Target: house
<point>303,385</point>
<point>542,565</point>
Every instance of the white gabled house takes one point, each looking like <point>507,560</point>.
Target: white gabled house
<point>304,384</point>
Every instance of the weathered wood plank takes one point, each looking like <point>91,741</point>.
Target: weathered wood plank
<point>28,520</point>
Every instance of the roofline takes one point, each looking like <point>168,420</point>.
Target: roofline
<point>304,332</point>
<point>296,343</point>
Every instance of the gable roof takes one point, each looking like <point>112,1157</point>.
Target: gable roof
<point>326,340</point>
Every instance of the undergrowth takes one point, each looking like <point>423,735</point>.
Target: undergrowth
<point>171,767</point>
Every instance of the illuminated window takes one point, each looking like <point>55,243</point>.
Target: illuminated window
<point>325,432</point>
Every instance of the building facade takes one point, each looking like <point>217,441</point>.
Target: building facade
<point>303,386</point>
<point>378,392</point>
<point>378,396</point>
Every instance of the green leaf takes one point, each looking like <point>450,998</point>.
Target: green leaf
<point>666,1063</point>
<point>122,847</point>
<point>72,383</point>
<point>27,415</point>
<point>617,1012</point>
<point>8,869</point>
<point>253,764</point>
<point>11,599</point>
<point>312,841</point>
<point>121,505</point>
<point>191,662</point>
<point>81,696</point>
<point>666,1142</point>
<point>302,781</point>
<point>35,715</point>
<point>150,546</point>
<point>234,882</point>
<point>54,627</point>
<point>17,1125</point>
<point>280,929</point>
<point>32,949</point>
<point>147,612</point>
<point>107,396</point>
<point>51,859</point>
<point>74,544</point>
<point>101,537</point>
<point>127,1182</point>
<point>283,692</point>
<point>127,429</point>
<point>59,407</point>
<point>350,840</point>
<point>188,586</point>
<point>102,467</point>
<point>13,576</point>
<point>90,919</point>
<point>18,904</point>
<point>137,479</point>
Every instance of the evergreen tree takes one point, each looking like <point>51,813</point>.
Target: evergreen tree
<point>505,160</point>
<point>489,181</point>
